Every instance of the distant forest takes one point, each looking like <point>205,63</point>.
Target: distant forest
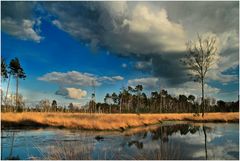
<point>130,100</point>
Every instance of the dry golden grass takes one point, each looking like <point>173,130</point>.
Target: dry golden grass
<point>106,121</point>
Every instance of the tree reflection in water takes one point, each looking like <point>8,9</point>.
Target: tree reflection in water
<point>205,140</point>
<point>12,138</point>
<point>163,132</point>
<point>138,144</point>
<point>166,150</point>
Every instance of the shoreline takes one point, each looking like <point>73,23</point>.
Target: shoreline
<point>104,122</point>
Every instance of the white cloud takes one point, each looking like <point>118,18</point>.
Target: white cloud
<point>110,79</point>
<point>118,78</point>
<point>23,29</point>
<point>70,78</point>
<point>156,29</point>
<point>106,78</point>
<point>72,93</point>
<point>228,57</point>
<point>77,78</point>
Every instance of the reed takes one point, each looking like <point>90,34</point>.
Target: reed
<point>105,121</point>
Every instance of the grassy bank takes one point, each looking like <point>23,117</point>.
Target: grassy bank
<point>104,121</point>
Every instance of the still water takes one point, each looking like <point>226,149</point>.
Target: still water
<point>170,140</point>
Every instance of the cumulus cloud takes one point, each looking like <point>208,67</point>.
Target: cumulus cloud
<point>72,93</point>
<point>77,78</point>
<point>17,20</point>
<point>121,30</point>
<point>110,79</point>
<point>70,78</point>
<point>228,57</point>
<point>158,32</point>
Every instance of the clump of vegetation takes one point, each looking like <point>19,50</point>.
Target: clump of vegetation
<point>68,151</point>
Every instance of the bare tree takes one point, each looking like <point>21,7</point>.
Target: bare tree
<point>201,56</point>
<point>44,105</point>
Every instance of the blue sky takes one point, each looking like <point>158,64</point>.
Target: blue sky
<point>62,49</point>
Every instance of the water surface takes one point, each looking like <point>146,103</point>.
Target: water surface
<point>171,140</point>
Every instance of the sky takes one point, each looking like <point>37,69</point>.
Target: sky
<point>66,47</point>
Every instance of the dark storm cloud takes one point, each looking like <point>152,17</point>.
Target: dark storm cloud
<point>166,66</point>
<point>17,10</point>
<point>170,68</point>
<point>153,33</point>
<point>204,16</point>
<point>18,20</point>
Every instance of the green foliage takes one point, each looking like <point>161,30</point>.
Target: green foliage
<point>16,69</point>
<point>4,72</point>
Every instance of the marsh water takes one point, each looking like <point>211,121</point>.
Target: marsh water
<point>170,140</point>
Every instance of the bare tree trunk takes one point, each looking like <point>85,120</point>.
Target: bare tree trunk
<point>121,104</point>
<point>160,104</point>
<point>16,92</point>
<point>2,100</point>
<point>110,108</point>
<point>128,104</point>
<point>137,109</point>
<point>7,89</point>
<point>203,104</point>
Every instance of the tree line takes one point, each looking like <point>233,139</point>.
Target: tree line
<point>134,100</point>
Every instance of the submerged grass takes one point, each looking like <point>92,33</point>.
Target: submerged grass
<point>105,121</point>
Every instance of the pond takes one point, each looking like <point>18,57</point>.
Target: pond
<point>170,140</point>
